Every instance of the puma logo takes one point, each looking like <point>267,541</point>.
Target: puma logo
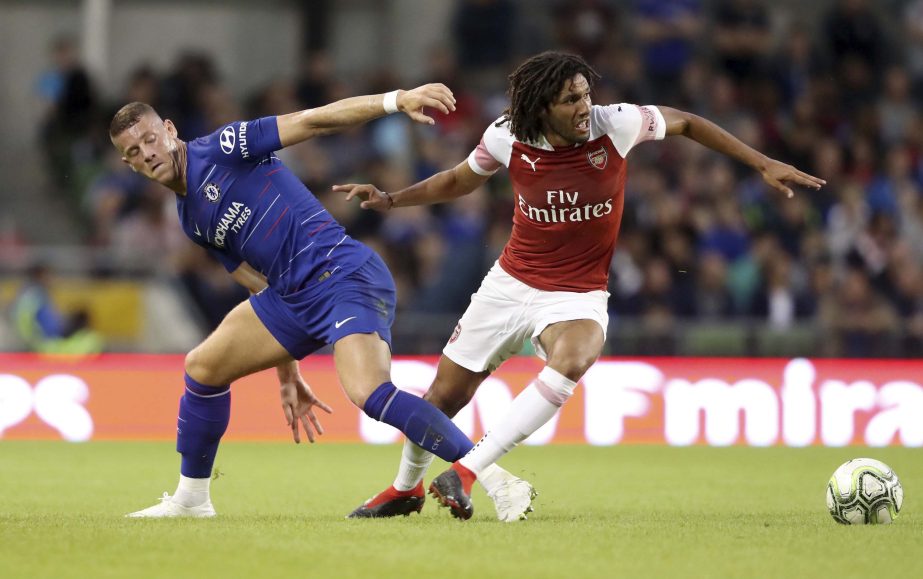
<point>530,161</point>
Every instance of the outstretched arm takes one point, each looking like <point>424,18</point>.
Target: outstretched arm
<point>445,186</point>
<point>775,173</point>
<point>350,112</point>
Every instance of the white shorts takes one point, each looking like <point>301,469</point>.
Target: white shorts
<point>505,312</point>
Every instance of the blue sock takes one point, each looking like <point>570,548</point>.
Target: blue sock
<point>420,421</point>
<point>204,412</point>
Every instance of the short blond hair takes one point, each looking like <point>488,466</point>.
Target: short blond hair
<point>128,116</point>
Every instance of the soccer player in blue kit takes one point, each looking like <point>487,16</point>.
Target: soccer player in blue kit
<point>311,284</point>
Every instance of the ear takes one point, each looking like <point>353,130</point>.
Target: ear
<point>171,128</point>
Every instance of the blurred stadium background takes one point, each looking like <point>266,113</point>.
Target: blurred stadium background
<point>709,262</point>
<point>710,268</point>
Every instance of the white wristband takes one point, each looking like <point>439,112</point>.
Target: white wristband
<point>390,102</point>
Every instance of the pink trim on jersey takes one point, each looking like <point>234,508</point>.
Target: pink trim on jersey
<point>484,159</point>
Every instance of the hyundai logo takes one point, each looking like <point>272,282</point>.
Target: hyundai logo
<point>227,140</point>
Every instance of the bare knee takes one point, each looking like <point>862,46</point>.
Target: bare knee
<point>202,370</point>
<point>574,365</point>
<point>358,396</point>
<point>359,388</point>
<point>363,363</point>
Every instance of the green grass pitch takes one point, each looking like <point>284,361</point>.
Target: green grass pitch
<point>634,511</point>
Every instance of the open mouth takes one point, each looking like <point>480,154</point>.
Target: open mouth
<point>583,125</point>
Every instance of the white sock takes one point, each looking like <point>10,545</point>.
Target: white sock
<point>414,463</point>
<point>192,492</point>
<point>529,412</point>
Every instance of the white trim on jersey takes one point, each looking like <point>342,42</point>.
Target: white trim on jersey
<point>300,251</point>
<point>627,125</point>
<point>336,246</point>
<point>262,217</point>
<point>313,216</point>
<point>498,140</point>
<point>207,177</point>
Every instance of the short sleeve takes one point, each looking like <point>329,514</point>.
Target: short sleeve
<point>246,141</point>
<point>229,262</point>
<point>482,162</point>
<point>494,150</point>
<point>628,124</point>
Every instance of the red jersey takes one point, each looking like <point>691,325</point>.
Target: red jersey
<point>568,201</point>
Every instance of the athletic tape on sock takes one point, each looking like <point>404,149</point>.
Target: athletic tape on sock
<point>554,386</point>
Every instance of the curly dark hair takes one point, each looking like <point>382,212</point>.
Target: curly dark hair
<point>535,84</point>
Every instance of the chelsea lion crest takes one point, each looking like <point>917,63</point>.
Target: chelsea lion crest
<point>212,192</point>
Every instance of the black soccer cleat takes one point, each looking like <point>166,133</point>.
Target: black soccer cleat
<point>391,503</point>
<point>449,490</point>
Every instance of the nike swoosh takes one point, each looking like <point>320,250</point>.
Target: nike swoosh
<point>338,324</point>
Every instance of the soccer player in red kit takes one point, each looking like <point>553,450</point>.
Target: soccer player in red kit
<point>567,162</point>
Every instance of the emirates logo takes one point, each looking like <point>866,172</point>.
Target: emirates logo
<point>598,158</point>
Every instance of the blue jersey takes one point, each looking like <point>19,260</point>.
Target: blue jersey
<point>243,204</point>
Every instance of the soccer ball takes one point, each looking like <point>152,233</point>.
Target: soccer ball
<point>864,491</point>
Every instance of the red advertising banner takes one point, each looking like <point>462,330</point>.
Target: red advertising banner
<point>675,401</point>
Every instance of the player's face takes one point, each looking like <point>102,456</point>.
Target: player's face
<point>149,147</point>
<point>567,119</point>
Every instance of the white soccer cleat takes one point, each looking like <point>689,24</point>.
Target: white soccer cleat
<point>168,508</point>
<point>513,499</point>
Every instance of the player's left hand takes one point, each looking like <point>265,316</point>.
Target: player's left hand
<point>435,95</point>
<point>370,196</point>
<point>777,174</point>
<point>298,402</point>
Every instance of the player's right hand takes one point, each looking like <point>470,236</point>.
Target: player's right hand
<point>371,196</point>
<point>436,96</point>
<point>298,404</point>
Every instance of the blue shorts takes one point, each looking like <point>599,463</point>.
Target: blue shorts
<point>361,302</point>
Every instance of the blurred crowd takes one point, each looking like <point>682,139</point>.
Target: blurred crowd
<point>837,95</point>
